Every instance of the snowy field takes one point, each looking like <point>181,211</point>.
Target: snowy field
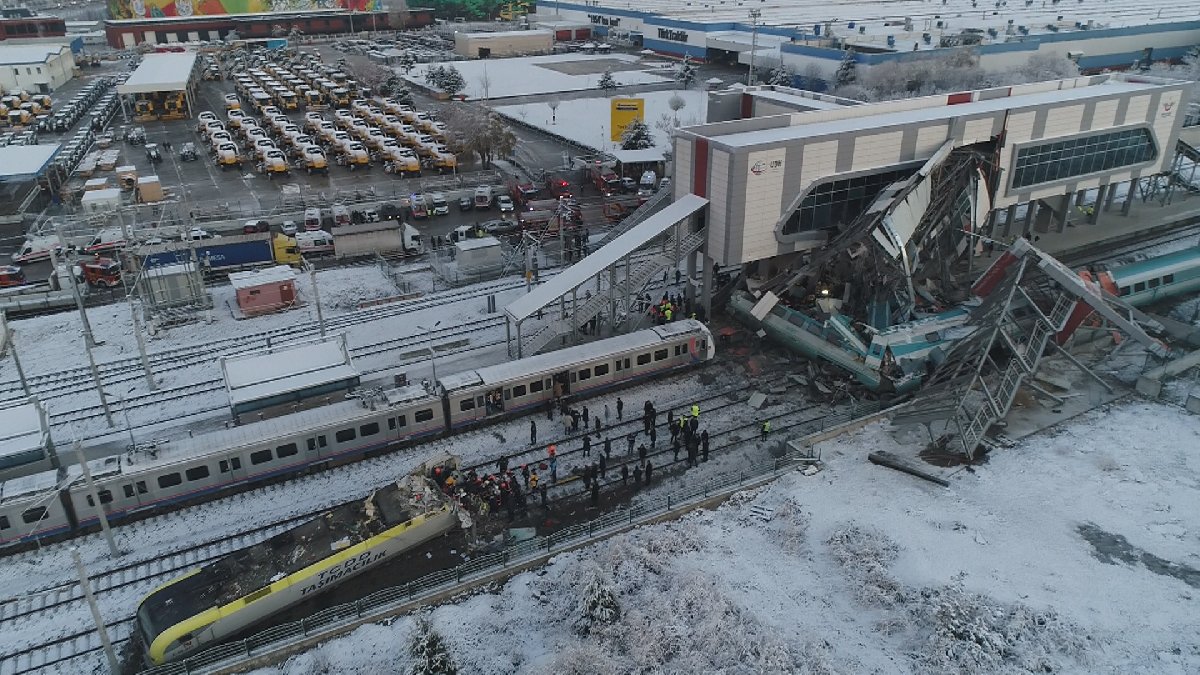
<point>1069,554</point>
<point>500,78</point>
<point>587,120</point>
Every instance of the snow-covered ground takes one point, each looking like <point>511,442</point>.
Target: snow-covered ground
<point>1074,553</point>
<point>501,78</point>
<point>588,120</point>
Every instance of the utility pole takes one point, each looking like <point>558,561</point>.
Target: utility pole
<point>86,584</point>
<point>87,327</point>
<point>141,342</point>
<point>754,14</point>
<point>312,274</point>
<point>9,337</point>
<point>91,487</point>
<point>99,385</point>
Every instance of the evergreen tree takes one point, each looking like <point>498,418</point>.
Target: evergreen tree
<point>402,94</point>
<point>607,84</point>
<point>781,77</point>
<point>598,605</point>
<point>429,649</point>
<point>406,61</point>
<point>685,73</point>
<point>435,75</point>
<point>453,81</point>
<point>637,136</point>
<point>847,72</point>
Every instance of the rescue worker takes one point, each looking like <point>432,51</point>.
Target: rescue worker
<point>624,474</point>
<point>696,411</point>
<point>649,472</point>
<point>704,445</point>
<point>620,408</point>
<point>587,445</point>
<point>532,432</point>
<point>603,466</point>
<point>533,481</point>
<point>766,427</point>
<point>637,476</point>
<point>607,447</point>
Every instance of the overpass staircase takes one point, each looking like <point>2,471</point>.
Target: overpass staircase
<point>618,291</point>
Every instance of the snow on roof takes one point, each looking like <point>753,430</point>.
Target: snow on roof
<point>187,267</point>
<point>555,361</point>
<point>506,34</point>
<point>475,244</point>
<point>364,228</point>
<point>21,428</point>
<point>254,278</point>
<point>638,156</point>
<point>796,99</point>
<point>889,118</point>
<point>287,369</point>
<point>579,273</point>
<point>25,161</point>
<point>160,72</point>
<point>17,55</point>
<point>107,194</point>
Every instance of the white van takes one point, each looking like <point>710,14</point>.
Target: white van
<point>341,215</point>
<point>314,243</point>
<point>108,239</point>
<point>312,219</point>
<point>483,197</point>
<point>36,248</point>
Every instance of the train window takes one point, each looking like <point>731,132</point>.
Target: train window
<point>678,350</point>
<point>105,498</point>
<point>1124,290</point>
<point>169,480</point>
<point>344,436</point>
<point>1169,279</point>
<point>466,404</point>
<point>643,359</point>
<point>519,391</point>
<point>141,487</point>
<point>1154,283</point>
<point>4,524</point>
<point>128,491</point>
<point>286,450</point>
<point>401,421</point>
<point>1139,287</point>
<point>423,415</point>
<point>617,363</point>
<point>321,442</point>
<point>660,354</point>
<point>369,429</point>
<point>703,346</point>
<point>601,369</point>
<point>585,374</point>
<point>536,386</point>
<point>33,515</point>
<point>260,457</point>
<point>626,362</point>
<point>391,424</point>
<point>232,464</point>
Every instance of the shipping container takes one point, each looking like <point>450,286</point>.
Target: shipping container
<point>244,250</point>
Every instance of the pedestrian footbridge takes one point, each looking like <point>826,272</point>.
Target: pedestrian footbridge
<point>601,290</point>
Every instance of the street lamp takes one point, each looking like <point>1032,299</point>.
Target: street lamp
<point>432,354</point>
<point>754,14</point>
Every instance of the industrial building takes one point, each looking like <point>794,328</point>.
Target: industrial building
<point>36,68</point>
<point>503,43</point>
<point>1115,36</point>
<point>163,86</point>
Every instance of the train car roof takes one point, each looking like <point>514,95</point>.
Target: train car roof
<point>562,358</point>
<point>284,426</point>
<point>254,567</point>
<point>1157,266</point>
<point>42,483</point>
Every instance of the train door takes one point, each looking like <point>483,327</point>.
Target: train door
<point>231,469</point>
<point>316,446</point>
<point>562,384</point>
<point>493,402</point>
<point>136,492</point>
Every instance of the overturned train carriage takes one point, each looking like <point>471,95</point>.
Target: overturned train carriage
<point>213,603</point>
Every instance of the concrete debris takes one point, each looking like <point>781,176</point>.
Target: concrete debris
<point>756,400</point>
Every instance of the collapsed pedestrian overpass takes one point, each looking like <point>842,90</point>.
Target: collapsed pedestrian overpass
<point>603,287</point>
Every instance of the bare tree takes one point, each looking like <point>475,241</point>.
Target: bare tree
<point>480,131</point>
<point>676,104</point>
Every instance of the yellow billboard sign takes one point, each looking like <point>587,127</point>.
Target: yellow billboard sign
<point>625,111</point>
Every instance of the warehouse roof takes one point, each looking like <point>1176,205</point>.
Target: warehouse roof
<point>160,72</point>
<point>25,161</point>
<point>13,55</point>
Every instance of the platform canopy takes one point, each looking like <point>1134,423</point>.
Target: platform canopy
<point>160,72</point>
<point>603,258</point>
<point>25,162</point>
<point>24,433</point>
<point>288,374</point>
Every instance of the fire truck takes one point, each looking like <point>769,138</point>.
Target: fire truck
<point>102,272</point>
<point>558,186</point>
<point>605,179</point>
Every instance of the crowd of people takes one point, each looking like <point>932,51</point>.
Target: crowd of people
<point>512,489</point>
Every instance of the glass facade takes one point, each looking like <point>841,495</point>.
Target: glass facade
<point>1049,162</point>
<point>840,200</point>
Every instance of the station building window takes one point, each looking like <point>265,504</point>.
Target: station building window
<point>841,200</point>
<point>1049,162</point>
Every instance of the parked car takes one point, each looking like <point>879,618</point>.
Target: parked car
<point>289,227</point>
<point>465,204</point>
<point>505,204</point>
<point>500,227</point>
<point>628,184</point>
<point>440,206</point>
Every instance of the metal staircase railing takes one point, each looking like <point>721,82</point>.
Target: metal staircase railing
<point>656,201</point>
<point>632,285</point>
<point>973,424</point>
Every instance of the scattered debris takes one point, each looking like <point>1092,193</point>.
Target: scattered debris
<point>891,461</point>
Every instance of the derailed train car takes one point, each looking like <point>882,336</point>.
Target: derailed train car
<point>223,598</point>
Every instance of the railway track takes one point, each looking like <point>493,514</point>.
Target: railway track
<point>82,642</point>
<point>1094,253</point>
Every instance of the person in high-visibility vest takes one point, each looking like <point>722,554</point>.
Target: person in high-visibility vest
<point>766,427</point>
<point>696,410</point>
